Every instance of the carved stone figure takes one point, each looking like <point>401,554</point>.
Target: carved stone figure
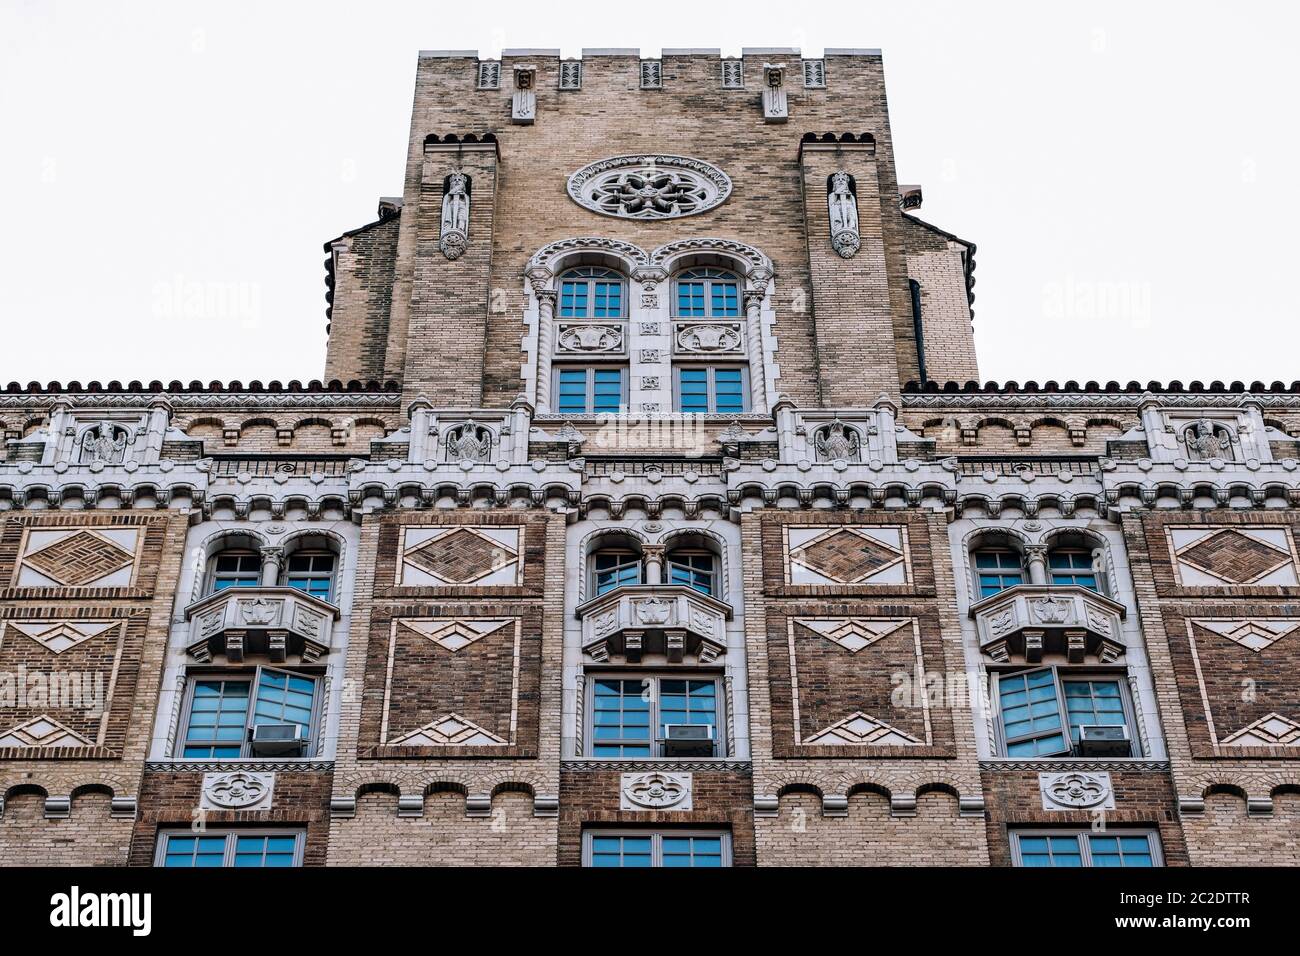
<point>469,442</point>
<point>835,442</point>
<point>843,207</point>
<point>1206,440</point>
<point>105,443</point>
<point>455,215</point>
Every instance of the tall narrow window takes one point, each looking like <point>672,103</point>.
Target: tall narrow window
<point>707,293</point>
<point>712,389</point>
<point>590,390</point>
<point>592,293</point>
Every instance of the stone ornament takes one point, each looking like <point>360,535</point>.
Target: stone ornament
<point>710,338</point>
<point>238,790</point>
<point>1076,790</point>
<point>523,102</point>
<point>775,107</point>
<point>105,443</point>
<point>655,791</point>
<point>455,216</point>
<point>842,203</point>
<point>1206,440</point>
<point>837,442</point>
<point>649,186</point>
<point>588,337</point>
<point>468,441</point>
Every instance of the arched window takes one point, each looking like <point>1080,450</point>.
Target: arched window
<point>693,563</point>
<point>616,561</point>
<point>592,292</point>
<point>997,566</point>
<point>706,293</point>
<point>234,567</point>
<point>1072,559</point>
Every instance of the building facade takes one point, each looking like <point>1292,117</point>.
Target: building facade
<point>652,514</point>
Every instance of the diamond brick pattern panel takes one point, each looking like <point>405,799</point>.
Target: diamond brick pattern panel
<point>460,556</point>
<point>1234,557</point>
<point>79,559</point>
<point>845,556</point>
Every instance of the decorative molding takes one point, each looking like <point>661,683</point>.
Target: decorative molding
<point>594,765</point>
<point>237,790</point>
<point>230,766</point>
<point>649,186</point>
<point>1062,765</point>
<point>655,790</point>
<point>1076,790</point>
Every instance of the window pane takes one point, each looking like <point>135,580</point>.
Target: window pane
<point>620,718</point>
<point>218,714</point>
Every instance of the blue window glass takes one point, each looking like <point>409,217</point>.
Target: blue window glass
<point>1093,702</point>
<point>1070,566</point>
<point>1031,714</point>
<point>688,702</point>
<point>248,849</point>
<point>694,569</point>
<point>1134,851</point>
<point>236,570</point>
<point>218,719</point>
<point>707,293</point>
<point>284,698</point>
<point>621,718</point>
<point>591,293</point>
<point>680,851</point>
<point>621,851</point>
<point>706,389</point>
<point>1051,851</point>
<point>194,851</point>
<point>1110,849</point>
<point>997,569</point>
<point>729,396</point>
<point>589,391</point>
<point>615,568</point>
<point>312,573</point>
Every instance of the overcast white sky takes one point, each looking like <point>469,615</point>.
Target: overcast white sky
<point>169,171</point>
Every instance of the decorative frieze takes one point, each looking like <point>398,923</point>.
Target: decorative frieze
<point>237,790</point>
<point>655,790</point>
<point>1076,790</point>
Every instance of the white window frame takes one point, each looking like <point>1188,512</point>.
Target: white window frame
<point>656,841</point>
<point>1153,842</point>
<point>230,835</point>
<point>656,743</point>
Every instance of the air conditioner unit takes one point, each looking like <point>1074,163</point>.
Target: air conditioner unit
<point>1096,740</point>
<point>279,740</point>
<point>688,740</point>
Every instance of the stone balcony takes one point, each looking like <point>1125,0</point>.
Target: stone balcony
<point>279,622</point>
<point>654,619</point>
<point>1029,620</point>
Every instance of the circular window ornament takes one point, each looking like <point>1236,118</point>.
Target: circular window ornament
<point>649,187</point>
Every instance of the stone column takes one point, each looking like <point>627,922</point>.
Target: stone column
<point>1036,563</point>
<point>754,296</point>
<point>654,563</point>
<point>546,296</point>
<point>272,561</point>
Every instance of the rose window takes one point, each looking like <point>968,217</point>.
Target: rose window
<point>649,187</point>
